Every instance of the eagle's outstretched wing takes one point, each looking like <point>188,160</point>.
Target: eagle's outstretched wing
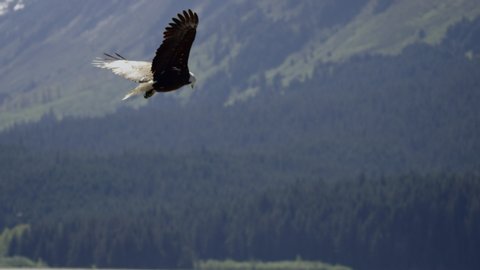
<point>137,71</point>
<point>175,49</point>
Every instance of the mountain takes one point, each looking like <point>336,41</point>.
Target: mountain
<point>339,131</point>
<point>47,46</point>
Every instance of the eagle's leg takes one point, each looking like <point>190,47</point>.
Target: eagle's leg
<point>149,93</point>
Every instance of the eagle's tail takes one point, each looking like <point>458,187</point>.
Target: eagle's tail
<point>143,88</point>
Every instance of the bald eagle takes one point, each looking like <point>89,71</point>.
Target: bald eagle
<point>169,69</point>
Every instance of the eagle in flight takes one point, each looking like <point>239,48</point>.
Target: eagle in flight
<point>169,69</point>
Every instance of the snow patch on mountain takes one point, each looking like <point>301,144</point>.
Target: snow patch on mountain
<point>10,5</point>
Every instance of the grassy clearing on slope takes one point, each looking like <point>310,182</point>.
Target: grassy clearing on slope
<point>8,234</point>
<point>258,265</point>
<point>18,261</point>
<point>388,32</point>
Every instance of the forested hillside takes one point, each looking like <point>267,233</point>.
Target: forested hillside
<point>377,114</point>
<point>408,222</point>
<point>372,162</point>
<point>338,131</point>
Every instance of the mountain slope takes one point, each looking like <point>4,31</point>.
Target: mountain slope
<point>381,114</point>
<point>45,60</point>
<point>378,28</point>
<point>372,146</point>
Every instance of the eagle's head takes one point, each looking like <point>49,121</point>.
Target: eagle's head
<point>192,79</point>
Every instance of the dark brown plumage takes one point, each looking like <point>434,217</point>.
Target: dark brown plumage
<point>170,64</point>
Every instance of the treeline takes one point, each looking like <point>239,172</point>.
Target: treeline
<point>409,222</point>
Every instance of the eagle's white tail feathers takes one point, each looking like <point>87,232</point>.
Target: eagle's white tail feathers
<point>140,89</point>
